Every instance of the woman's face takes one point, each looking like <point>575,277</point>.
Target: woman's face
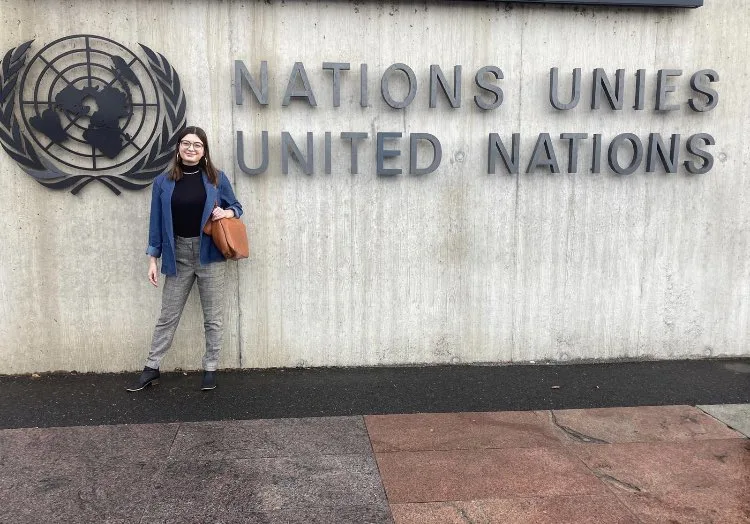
<point>191,149</point>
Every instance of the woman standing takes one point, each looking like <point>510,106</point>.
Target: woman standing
<point>184,198</point>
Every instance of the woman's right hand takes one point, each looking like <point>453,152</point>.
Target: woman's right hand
<point>153,272</point>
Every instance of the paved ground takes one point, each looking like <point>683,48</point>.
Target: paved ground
<point>68,399</point>
<point>635,463</point>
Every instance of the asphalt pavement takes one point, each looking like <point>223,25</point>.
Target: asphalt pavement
<point>81,399</point>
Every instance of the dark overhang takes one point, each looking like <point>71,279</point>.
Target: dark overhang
<point>627,3</point>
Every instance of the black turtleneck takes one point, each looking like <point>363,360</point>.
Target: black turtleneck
<point>188,200</point>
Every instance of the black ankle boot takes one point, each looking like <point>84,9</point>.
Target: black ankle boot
<point>209,380</point>
<point>150,376</point>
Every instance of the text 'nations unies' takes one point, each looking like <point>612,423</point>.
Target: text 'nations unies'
<point>624,153</point>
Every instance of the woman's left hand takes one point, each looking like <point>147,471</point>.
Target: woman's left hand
<point>219,213</point>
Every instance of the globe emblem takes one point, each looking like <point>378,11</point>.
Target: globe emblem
<point>94,104</point>
<point>85,108</point>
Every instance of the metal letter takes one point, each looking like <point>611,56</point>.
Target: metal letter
<point>437,77</point>
<point>327,150</point>
<point>492,88</point>
<point>712,95</point>
<point>656,147</point>
<point>637,153</point>
<point>437,153</point>
<point>543,155</point>
<point>574,138</point>
<point>601,83</point>
<point>336,67</point>
<point>553,87</point>
<point>263,154</point>
<point>382,154</point>
<point>662,88</point>
<point>596,155</point>
<point>385,91</point>
<point>355,138</point>
<point>640,90</point>
<point>241,73</point>
<point>694,149</point>
<point>288,145</point>
<point>363,85</point>
<point>512,161</point>
<point>291,87</point>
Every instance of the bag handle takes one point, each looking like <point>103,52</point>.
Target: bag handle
<point>216,204</point>
<point>209,223</point>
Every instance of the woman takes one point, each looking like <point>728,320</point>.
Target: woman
<point>184,198</point>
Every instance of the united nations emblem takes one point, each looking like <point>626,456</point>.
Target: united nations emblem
<point>85,108</point>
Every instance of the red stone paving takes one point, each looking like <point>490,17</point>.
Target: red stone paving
<point>648,464</point>
<point>581,509</point>
<point>641,424</point>
<point>451,431</point>
<point>688,507</point>
<point>432,476</point>
<point>668,466</point>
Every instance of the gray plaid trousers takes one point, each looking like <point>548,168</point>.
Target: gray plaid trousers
<point>211,278</point>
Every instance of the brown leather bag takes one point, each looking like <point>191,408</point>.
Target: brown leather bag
<point>230,237</point>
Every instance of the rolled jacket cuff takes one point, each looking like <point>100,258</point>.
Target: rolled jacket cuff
<point>153,251</point>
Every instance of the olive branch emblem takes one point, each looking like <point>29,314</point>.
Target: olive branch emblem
<point>138,176</point>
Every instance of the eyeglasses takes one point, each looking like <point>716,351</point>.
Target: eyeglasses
<point>184,144</point>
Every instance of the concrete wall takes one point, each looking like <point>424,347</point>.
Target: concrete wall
<point>454,266</point>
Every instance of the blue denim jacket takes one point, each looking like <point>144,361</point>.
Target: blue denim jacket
<point>161,230</point>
